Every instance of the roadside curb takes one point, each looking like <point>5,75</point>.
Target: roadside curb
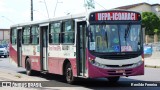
<point>152,66</point>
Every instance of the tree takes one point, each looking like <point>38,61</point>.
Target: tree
<point>89,4</point>
<point>151,23</point>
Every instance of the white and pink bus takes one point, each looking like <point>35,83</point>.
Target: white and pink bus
<point>103,44</point>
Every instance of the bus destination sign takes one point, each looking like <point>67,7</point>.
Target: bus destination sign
<point>101,16</point>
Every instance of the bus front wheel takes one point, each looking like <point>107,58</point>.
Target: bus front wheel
<point>69,74</point>
<point>113,79</point>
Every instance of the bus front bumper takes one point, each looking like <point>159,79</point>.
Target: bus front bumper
<point>97,72</point>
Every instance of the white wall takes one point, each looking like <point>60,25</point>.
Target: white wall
<point>147,8</point>
<point>1,35</point>
<point>4,34</point>
<point>156,10</point>
<point>142,8</point>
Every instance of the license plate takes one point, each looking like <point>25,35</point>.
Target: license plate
<point>120,71</point>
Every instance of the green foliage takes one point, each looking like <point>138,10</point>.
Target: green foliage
<point>151,23</point>
<point>156,31</point>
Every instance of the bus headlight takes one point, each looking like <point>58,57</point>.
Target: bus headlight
<point>93,62</point>
<point>137,64</point>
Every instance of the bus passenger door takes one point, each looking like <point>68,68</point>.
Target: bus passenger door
<point>19,47</point>
<point>43,47</point>
<point>81,48</point>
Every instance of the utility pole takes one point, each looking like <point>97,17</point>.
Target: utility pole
<point>31,10</point>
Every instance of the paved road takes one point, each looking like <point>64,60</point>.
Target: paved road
<point>151,76</point>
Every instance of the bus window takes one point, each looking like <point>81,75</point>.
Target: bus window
<point>55,33</point>
<point>14,36</point>
<point>123,40</point>
<point>130,39</point>
<point>26,35</point>
<point>105,37</point>
<point>135,37</point>
<point>34,35</point>
<point>68,32</point>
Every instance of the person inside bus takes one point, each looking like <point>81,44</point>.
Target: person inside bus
<point>98,39</point>
<point>103,31</point>
<point>101,38</point>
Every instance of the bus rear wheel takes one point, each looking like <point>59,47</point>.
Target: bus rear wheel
<point>29,71</point>
<point>113,79</point>
<point>69,74</point>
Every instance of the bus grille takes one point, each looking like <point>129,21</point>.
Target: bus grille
<point>120,57</point>
<point>113,72</point>
<point>126,65</point>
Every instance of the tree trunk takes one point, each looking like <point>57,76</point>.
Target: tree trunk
<point>147,39</point>
<point>155,38</point>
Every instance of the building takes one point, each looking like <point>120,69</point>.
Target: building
<point>4,35</point>
<point>143,7</point>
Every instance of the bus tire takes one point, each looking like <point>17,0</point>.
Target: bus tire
<point>69,74</point>
<point>29,71</point>
<point>113,79</point>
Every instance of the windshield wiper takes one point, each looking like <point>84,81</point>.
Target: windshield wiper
<point>106,39</point>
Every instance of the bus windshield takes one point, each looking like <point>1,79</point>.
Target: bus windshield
<point>115,38</point>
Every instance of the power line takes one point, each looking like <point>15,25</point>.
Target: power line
<point>46,8</point>
<point>8,19</point>
<point>56,7</point>
<point>99,4</point>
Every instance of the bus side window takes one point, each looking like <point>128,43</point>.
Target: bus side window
<point>68,32</point>
<point>34,35</point>
<point>14,36</point>
<point>26,35</point>
<point>54,33</point>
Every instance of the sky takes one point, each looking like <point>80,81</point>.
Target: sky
<point>18,11</point>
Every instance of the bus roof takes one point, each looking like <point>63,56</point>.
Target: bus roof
<point>76,16</point>
<point>112,10</point>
